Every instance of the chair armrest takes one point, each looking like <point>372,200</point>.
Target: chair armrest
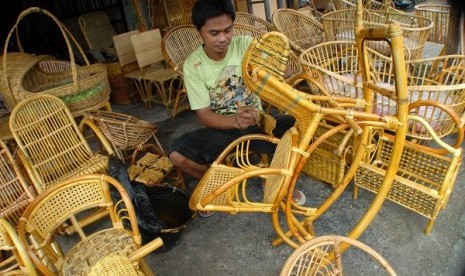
<point>146,249</point>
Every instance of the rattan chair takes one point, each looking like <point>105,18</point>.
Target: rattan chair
<point>15,193</point>
<point>339,26</point>
<point>51,147</point>
<point>17,262</point>
<point>165,80</point>
<point>254,21</point>
<point>323,256</point>
<point>301,30</point>
<point>41,221</point>
<point>98,31</point>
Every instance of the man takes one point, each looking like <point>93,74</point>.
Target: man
<point>213,78</point>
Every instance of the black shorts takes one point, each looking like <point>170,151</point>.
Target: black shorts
<point>205,144</point>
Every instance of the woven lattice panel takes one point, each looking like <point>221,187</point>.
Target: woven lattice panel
<point>80,259</point>
<point>419,179</point>
<point>71,200</point>
<point>280,160</point>
<point>114,265</point>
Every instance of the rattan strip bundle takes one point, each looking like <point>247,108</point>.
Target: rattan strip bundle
<point>82,87</point>
<point>439,14</point>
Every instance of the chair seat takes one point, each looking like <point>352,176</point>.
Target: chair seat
<point>114,265</point>
<point>84,255</point>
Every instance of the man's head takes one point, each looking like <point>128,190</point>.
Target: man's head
<point>207,9</point>
<point>214,20</point>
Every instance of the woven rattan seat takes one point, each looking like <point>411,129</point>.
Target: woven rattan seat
<point>86,253</point>
<point>301,30</point>
<point>18,262</point>
<point>113,265</point>
<point>323,256</point>
<point>119,235</point>
<point>15,195</point>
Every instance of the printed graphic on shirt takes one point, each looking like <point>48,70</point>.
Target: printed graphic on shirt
<point>230,92</point>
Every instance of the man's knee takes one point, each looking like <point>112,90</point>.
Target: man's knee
<point>176,158</point>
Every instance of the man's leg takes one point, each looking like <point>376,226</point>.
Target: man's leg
<point>188,166</point>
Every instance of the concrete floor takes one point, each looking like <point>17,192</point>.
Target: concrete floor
<point>227,244</point>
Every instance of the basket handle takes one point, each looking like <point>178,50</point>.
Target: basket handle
<point>66,35</point>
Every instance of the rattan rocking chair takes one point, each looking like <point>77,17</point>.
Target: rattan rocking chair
<point>323,256</point>
<point>98,31</point>
<point>40,223</point>
<point>18,261</point>
<point>15,194</point>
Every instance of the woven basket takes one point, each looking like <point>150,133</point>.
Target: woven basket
<point>80,87</point>
<point>424,180</point>
<point>329,160</point>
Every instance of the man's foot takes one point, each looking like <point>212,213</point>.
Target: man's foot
<point>298,197</point>
<point>206,214</point>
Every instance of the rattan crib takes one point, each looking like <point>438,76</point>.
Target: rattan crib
<point>339,25</point>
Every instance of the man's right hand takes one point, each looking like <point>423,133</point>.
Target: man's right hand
<point>246,116</point>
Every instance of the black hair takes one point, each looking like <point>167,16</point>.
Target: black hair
<point>206,9</point>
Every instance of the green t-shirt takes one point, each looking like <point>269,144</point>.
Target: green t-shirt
<point>218,84</point>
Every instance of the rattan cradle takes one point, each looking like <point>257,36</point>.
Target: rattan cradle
<point>439,14</point>
<point>440,79</point>
<point>81,87</point>
<point>339,25</point>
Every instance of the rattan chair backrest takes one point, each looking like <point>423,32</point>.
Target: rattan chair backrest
<point>302,31</point>
<point>254,21</point>
<point>49,140</point>
<point>14,193</point>
<point>178,43</point>
<point>322,256</point>
<point>49,211</point>
<point>147,47</point>
<point>18,263</point>
<point>97,29</point>
<point>124,48</point>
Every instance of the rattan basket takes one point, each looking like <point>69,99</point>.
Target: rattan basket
<point>439,14</point>
<point>124,132</point>
<point>80,87</point>
<point>330,159</point>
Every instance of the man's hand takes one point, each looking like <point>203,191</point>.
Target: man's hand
<point>246,116</point>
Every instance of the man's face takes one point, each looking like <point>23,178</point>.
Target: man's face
<point>216,35</point>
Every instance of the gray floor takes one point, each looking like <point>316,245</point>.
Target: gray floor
<point>227,244</point>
